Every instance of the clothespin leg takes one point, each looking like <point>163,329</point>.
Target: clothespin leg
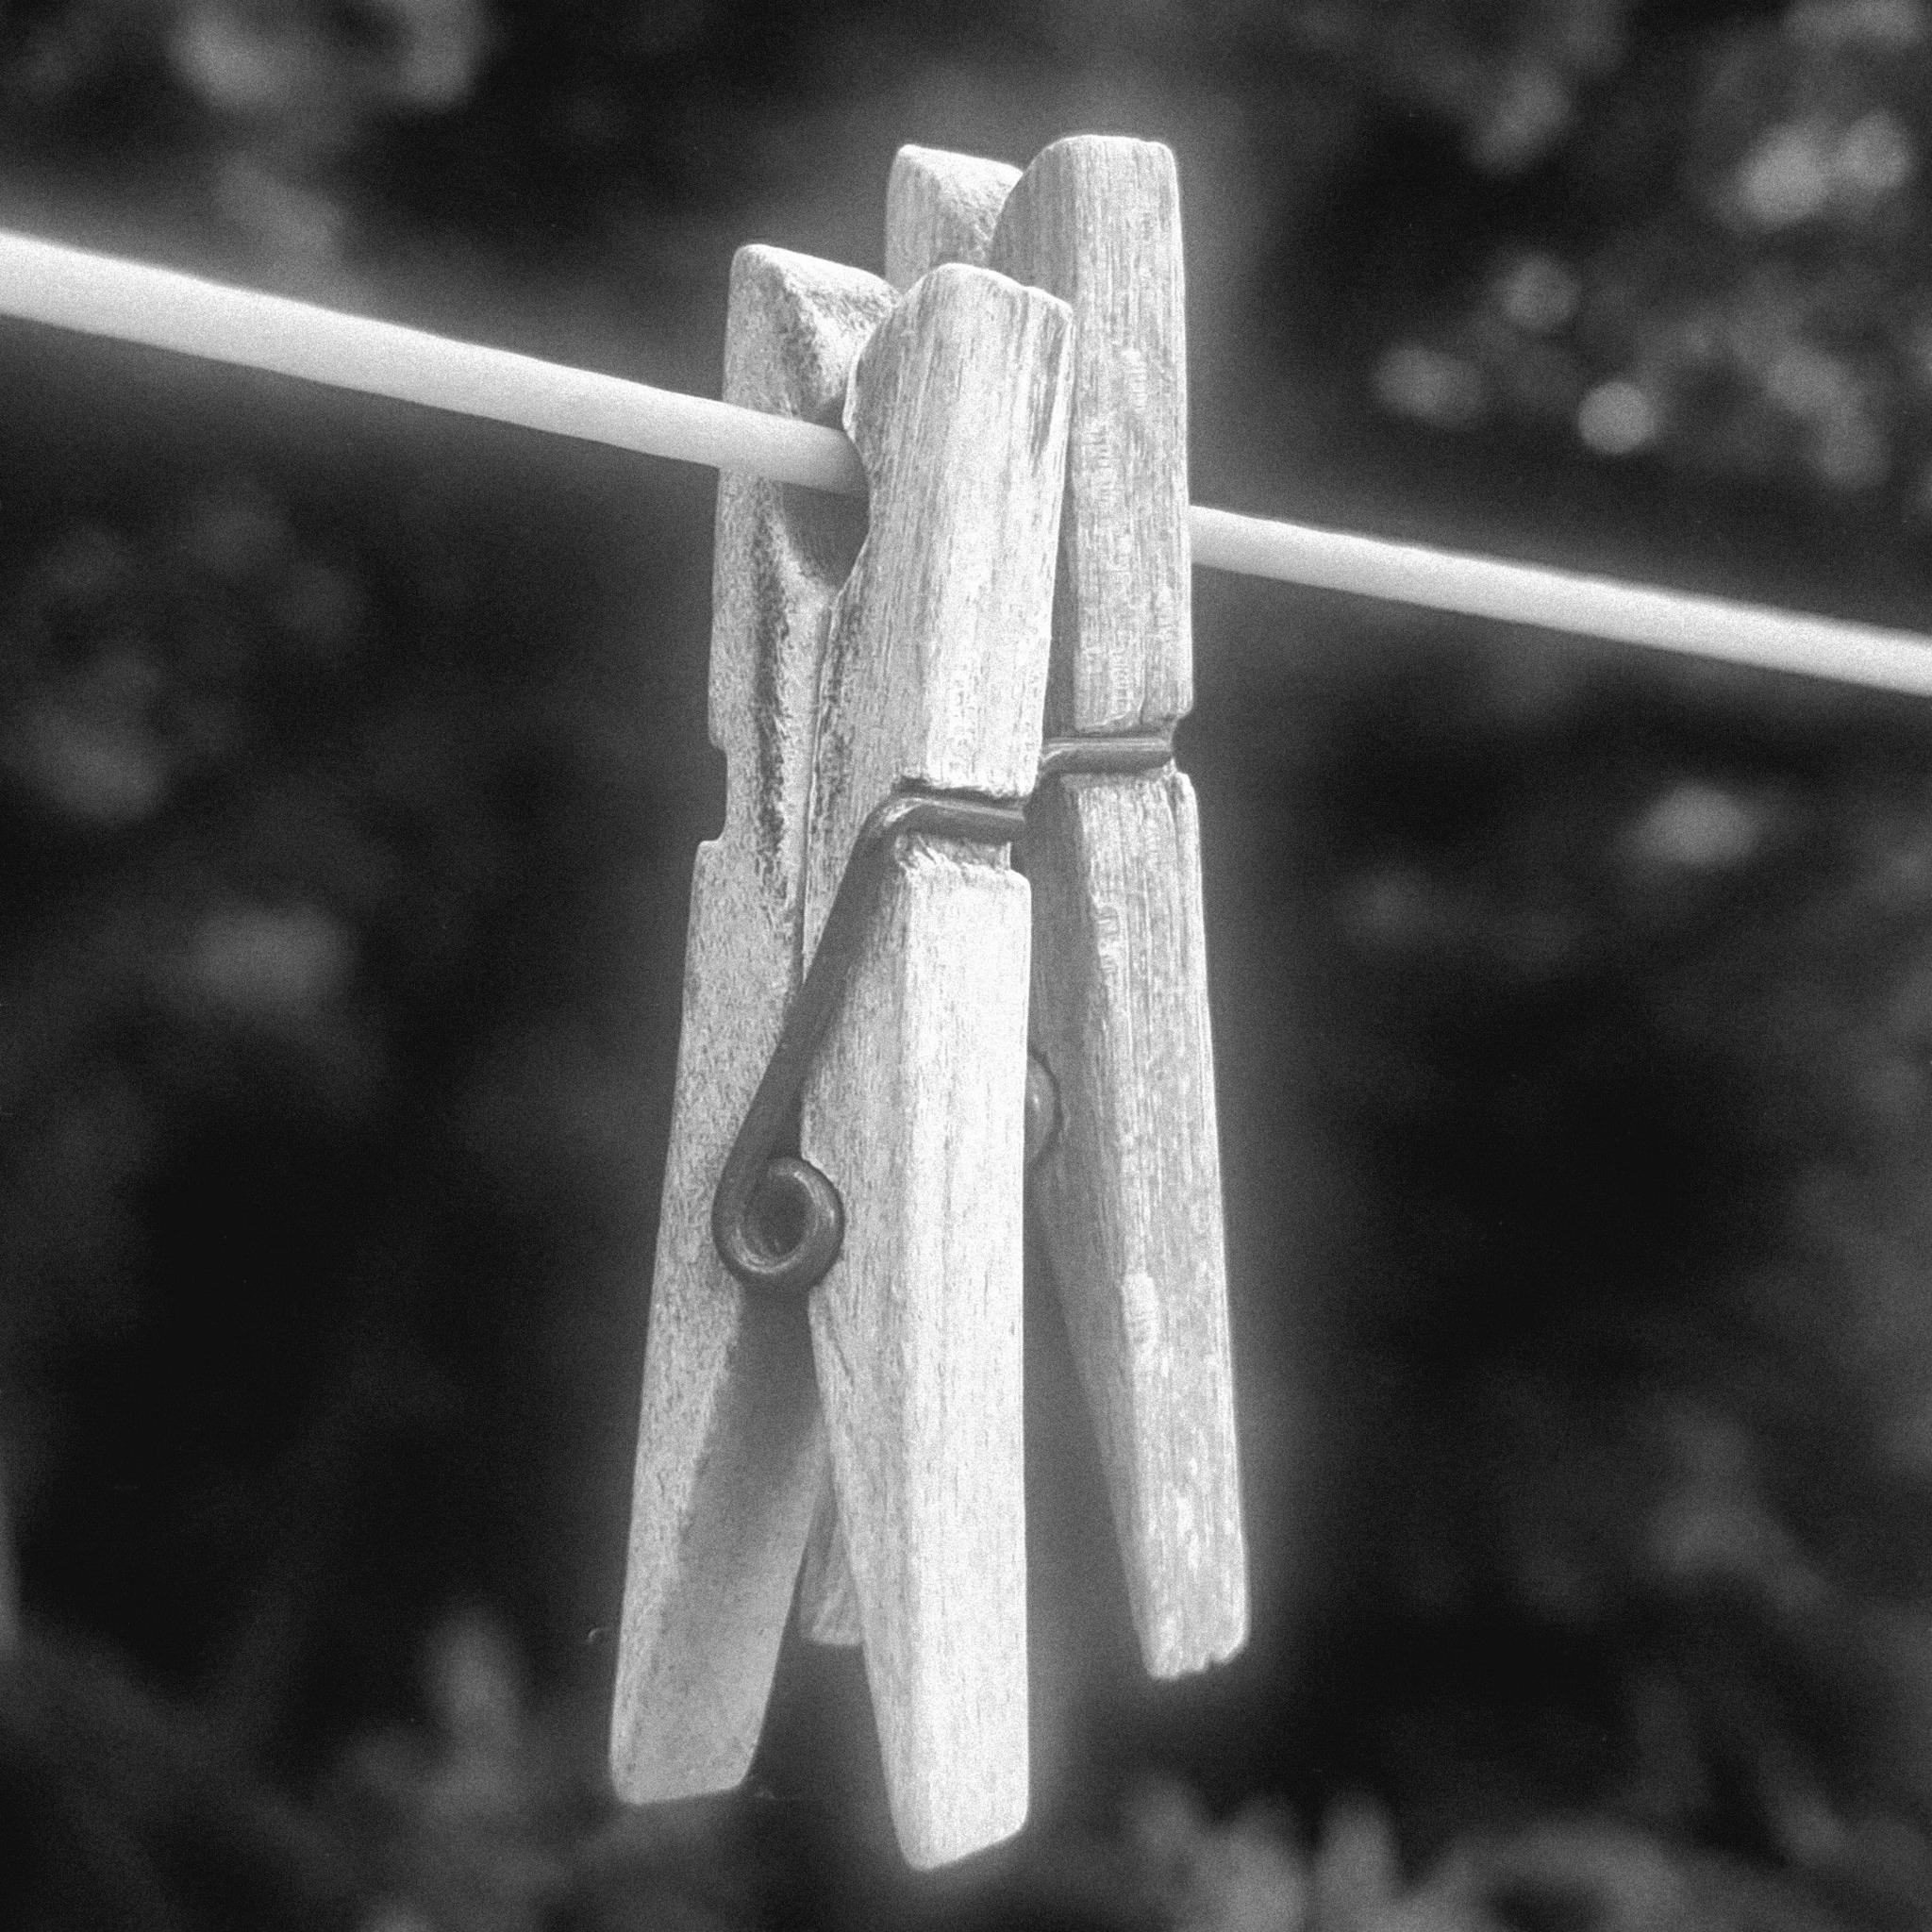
<point>934,675</point>
<point>730,1447</point>
<point>1129,1197</point>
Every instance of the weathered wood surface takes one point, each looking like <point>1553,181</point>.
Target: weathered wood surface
<point>1129,1195</point>
<point>940,208</point>
<point>935,673</point>
<point>730,1446</point>
<point>1096,221</point>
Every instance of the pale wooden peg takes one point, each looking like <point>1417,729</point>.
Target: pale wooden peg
<point>934,673</point>
<point>940,208</point>
<point>1129,1195</point>
<point>730,1450</point>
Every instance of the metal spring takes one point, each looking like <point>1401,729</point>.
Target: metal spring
<point>761,1190</point>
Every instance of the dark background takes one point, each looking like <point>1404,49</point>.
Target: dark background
<point>1574,1007</point>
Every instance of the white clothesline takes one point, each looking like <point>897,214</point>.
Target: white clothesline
<point>98,294</point>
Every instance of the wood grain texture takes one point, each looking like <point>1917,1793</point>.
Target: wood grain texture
<point>730,1443</point>
<point>940,208</point>
<point>935,672</point>
<point>1096,221</point>
<point>1129,1197</point>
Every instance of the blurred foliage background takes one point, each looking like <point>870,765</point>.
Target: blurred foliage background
<point>1575,1008</point>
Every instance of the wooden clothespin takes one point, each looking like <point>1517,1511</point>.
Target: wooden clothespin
<point>1129,1192</point>
<point>880,713</point>
<point>730,1446</point>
